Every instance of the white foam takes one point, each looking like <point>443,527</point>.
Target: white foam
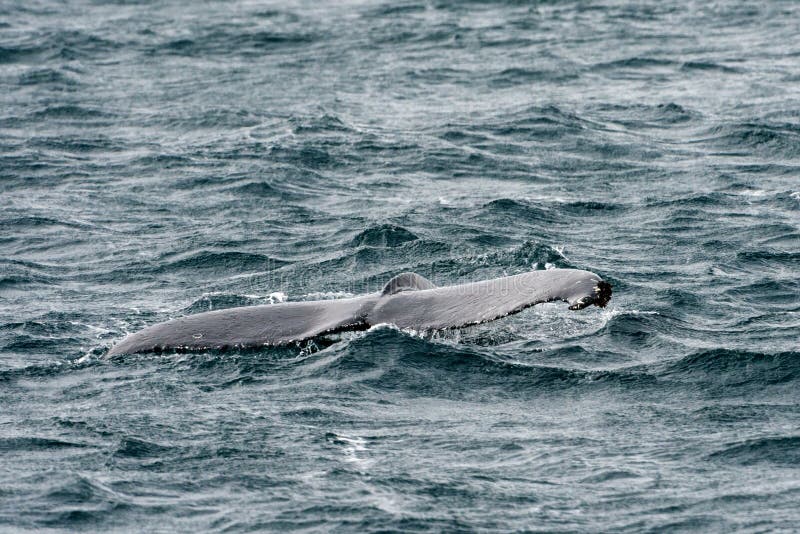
<point>352,447</point>
<point>84,358</point>
<point>382,326</point>
<point>277,296</point>
<point>754,193</point>
<point>328,295</point>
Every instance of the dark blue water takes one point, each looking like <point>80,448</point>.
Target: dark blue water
<point>166,158</point>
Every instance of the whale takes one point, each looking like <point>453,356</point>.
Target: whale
<point>408,301</point>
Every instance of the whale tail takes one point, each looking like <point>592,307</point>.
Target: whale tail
<point>408,301</point>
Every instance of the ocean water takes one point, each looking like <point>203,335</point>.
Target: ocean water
<point>165,158</point>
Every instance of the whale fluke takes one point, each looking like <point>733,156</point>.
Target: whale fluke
<point>479,302</point>
<point>251,326</point>
<point>407,300</point>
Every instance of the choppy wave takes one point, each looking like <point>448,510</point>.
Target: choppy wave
<point>178,159</point>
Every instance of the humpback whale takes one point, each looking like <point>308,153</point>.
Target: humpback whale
<point>408,301</point>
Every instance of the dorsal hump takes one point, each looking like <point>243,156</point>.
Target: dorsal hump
<point>406,282</point>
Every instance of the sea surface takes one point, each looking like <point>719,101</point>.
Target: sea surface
<point>164,158</point>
